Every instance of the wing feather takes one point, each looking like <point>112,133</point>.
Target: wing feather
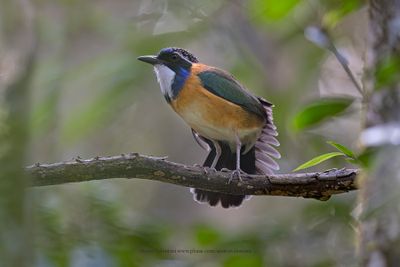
<point>225,86</point>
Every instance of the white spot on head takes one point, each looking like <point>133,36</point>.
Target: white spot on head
<point>165,77</point>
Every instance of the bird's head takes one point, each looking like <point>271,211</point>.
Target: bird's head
<point>171,57</point>
<point>172,66</point>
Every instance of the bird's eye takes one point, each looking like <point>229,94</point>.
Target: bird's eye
<point>174,57</point>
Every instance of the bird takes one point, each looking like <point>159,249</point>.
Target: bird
<point>231,123</point>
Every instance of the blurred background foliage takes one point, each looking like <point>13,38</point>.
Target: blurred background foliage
<point>90,96</point>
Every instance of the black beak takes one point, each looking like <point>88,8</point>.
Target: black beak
<point>153,60</point>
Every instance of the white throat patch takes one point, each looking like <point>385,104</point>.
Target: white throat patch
<point>165,77</point>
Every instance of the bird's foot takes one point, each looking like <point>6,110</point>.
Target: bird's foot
<point>236,174</point>
<point>208,170</point>
<point>225,170</point>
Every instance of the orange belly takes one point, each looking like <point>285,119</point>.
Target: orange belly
<point>214,117</point>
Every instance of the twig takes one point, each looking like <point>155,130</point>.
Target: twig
<point>321,38</point>
<point>319,185</point>
<point>346,68</point>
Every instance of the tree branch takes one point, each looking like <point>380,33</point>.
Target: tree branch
<point>378,244</point>
<point>319,185</point>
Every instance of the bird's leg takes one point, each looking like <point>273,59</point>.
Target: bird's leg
<point>217,156</point>
<point>211,169</point>
<point>236,173</point>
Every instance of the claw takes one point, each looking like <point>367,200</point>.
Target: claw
<point>225,170</point>
<point>236,174</point>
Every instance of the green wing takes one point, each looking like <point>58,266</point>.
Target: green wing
<point>225,86</point>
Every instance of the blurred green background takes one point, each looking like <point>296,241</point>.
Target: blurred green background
<point>91,97</point>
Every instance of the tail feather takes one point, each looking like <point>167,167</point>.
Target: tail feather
<point>258,160</point>
<point>269,139</point>
<point>266,160</point>
<point>265,152</point>
<point>263,168</point>
<point>226,160</point>
<point>213,198</point>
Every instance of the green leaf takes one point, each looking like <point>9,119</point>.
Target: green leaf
<point>343,149</point>
<point>387,72</point>
<point>317,160</point>
<point>367,157</point>
<point>272,10</point>
<point>338,12</point>
<point>320,110</point>
<point>244,259</point>
<point>206,235</point>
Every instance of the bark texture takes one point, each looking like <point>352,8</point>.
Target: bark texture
<point>319,185</point>
<point>16,248</point>
<point>379,227</point>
